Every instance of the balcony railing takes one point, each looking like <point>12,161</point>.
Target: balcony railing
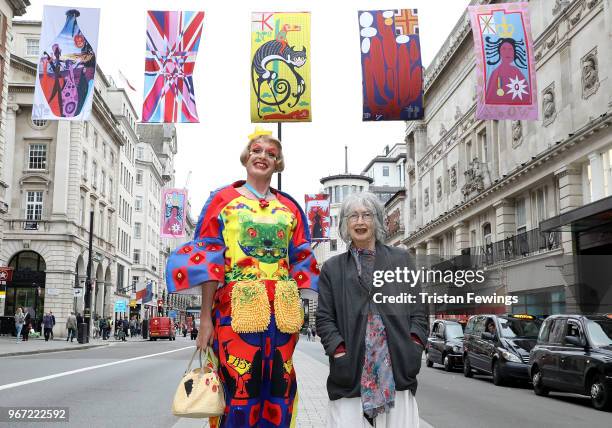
<point>512,248</point>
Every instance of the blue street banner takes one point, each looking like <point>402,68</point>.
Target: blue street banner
<point>120,306</point>
<point>172,314</point>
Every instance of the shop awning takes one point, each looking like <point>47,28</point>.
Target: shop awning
<point>581,219</point>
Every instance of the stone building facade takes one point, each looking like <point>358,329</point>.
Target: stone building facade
<point>494,189</point>
<point>58,172</point>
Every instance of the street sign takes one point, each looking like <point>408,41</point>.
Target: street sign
<point>120,306</point>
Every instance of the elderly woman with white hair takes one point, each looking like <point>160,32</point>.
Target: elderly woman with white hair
<point>374,346</point>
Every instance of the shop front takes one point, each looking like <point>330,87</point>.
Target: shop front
<point>26,289</point>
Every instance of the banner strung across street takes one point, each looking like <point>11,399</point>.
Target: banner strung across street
<point>280,69</point>
<point>64,84</point>
<point>173,39</point>
<point>174,204</point>
<point>317,213</point>
<point>392,76</point>
<point>505,66</point>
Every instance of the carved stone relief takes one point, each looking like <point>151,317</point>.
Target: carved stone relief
<point>549,109</point>
<point>590,73</point>
<point>559,6</point>
<point>517,133</point>
<point>474,179</point>
<point>439,189</point>
<point>426,198</point>
<point>453,177</point>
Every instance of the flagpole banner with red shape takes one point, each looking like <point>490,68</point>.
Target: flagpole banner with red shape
<point>317,213</point>
<point>280,67</point>
<point>392,71</point>
<point>64,84</point>
<point>174,209</point>
<point>505,65</point>
<point>173,39</point>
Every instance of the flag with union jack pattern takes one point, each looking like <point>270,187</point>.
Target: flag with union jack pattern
<point>173,38</point>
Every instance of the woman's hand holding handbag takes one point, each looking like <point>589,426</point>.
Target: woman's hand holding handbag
<point>200,392</point>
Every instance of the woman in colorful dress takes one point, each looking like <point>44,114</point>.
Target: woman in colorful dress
<point>374,347</point>
<point>250,259</point>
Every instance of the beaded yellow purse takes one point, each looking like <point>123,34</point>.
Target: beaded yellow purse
<point>287,307</point>
<point>250,307</point>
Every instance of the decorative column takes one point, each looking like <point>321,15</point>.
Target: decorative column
<point>462,237</point>
<point>505,219</point>
<point>570,197</point>
<point>60,178</point>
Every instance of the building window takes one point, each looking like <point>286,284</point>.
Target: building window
<point>385,171</point>
<point>94,173</point>
<point>607,162</point>
<point>85,165</point>
<point>103,182</point>
<point>333,245</point>
<point>521,216</point>
<point>37,158</point>
<point>539,202</point>
<point>82,211</point>
<point>136,256</point>
<point>32,47</point>
<point>101,223</point>
<point>34,205</point>
<point>137,230</point>
<point>140,153</point>
<point>139,177</point>
<point>138,203</point>
<point>110,188</point>
<point>109,224</point>
<point>95,138</point>
<point>112,158</point>
<point>484,148</point>
<point>104,149</point>
<point>39,123</point>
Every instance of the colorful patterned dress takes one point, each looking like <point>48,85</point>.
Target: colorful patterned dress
<point>260,256</point>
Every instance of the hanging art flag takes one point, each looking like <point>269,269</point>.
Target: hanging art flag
<point>505,66</point>
<point>173,39</point>
<point>317,213</point>
<point>392,76</point>
<point>174,208</point>
<point>280,69</point>
<point>64,84</point>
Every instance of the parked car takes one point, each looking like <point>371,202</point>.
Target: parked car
<point>445,345</point>
<point>161,328</point>
<point>499,345</point>
<point>574,354</point>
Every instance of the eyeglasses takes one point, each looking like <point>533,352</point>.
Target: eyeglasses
<point>367,217</point>
<point>262,152</point>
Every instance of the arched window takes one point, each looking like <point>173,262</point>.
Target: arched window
<point>28,260</point>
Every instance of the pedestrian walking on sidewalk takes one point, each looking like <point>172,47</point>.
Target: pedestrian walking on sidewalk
<point>27,325</point>
<point>251,255</point>
<point>71,326</point>
<point>52,319</point>
<point>374,348</point>
<point>309,333</point>
<point>47,326</point>
<point>19,322</point>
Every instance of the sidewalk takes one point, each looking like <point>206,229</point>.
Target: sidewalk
<point>312,402</point>
<point>8,346</point>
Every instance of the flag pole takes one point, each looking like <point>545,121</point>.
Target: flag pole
<point>280,138</point>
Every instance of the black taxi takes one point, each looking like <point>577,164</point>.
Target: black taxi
<point>574,354</point>
<point>445,344</point>
<point>499,345</point>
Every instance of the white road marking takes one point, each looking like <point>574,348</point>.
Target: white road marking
<point>85,369</point>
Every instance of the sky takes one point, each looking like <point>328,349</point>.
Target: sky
<point>211,148</point>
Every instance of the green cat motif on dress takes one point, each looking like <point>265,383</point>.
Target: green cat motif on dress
<point>263,238</point>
